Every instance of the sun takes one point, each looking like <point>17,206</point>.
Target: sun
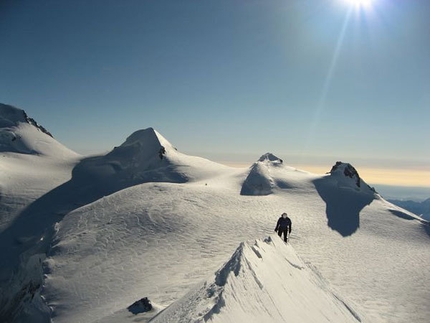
<point>360,3</point>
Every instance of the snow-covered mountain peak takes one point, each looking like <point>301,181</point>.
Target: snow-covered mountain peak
<point>145,156</point>
<point>148,138</point>
<point>346,169</point>
<point>270,158</point>
<point>269,174</point>
<point>21,134</point>
<point>259,180</point>
<point>347,176</point>
<point>140,149</point>
<point>345,195</point>
<point>11,116</point>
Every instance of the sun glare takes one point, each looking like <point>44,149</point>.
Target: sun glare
<point>360,3</point>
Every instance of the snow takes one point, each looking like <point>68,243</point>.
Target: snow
<point>83,238</point>
<point>264,281</point>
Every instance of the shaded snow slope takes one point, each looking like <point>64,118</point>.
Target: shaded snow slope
<point>32,163</point>
<point>264,281</point>
<point>343,214</point>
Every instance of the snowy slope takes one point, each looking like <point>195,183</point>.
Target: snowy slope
<point>148,221</point>
<point>32,163</point>
<point>159,239</point>
<point>264,281</point>
<point>22,134</point>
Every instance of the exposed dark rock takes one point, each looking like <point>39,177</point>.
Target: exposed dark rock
<point>141,306</point>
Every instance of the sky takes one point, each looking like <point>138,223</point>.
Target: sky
<point>312,81</point>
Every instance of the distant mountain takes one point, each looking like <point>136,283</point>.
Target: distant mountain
<point>145,156</point>
<point>21,134</point>
<point>11,116</point>
<point>419,208</point>
<point>260,180</point>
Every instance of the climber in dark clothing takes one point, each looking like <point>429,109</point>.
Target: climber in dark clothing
<point>283,226</point>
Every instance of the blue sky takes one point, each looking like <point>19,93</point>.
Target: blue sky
<point>311,81</point>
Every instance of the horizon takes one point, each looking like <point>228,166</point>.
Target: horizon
<point>313,82</point>
<point>391,183</point>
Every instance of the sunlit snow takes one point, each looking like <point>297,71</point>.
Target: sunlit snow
<point>83,238</point>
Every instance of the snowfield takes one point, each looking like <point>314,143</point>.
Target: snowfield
<point>83,238</point>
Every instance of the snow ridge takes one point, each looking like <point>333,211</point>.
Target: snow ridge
<point>264,281</point>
